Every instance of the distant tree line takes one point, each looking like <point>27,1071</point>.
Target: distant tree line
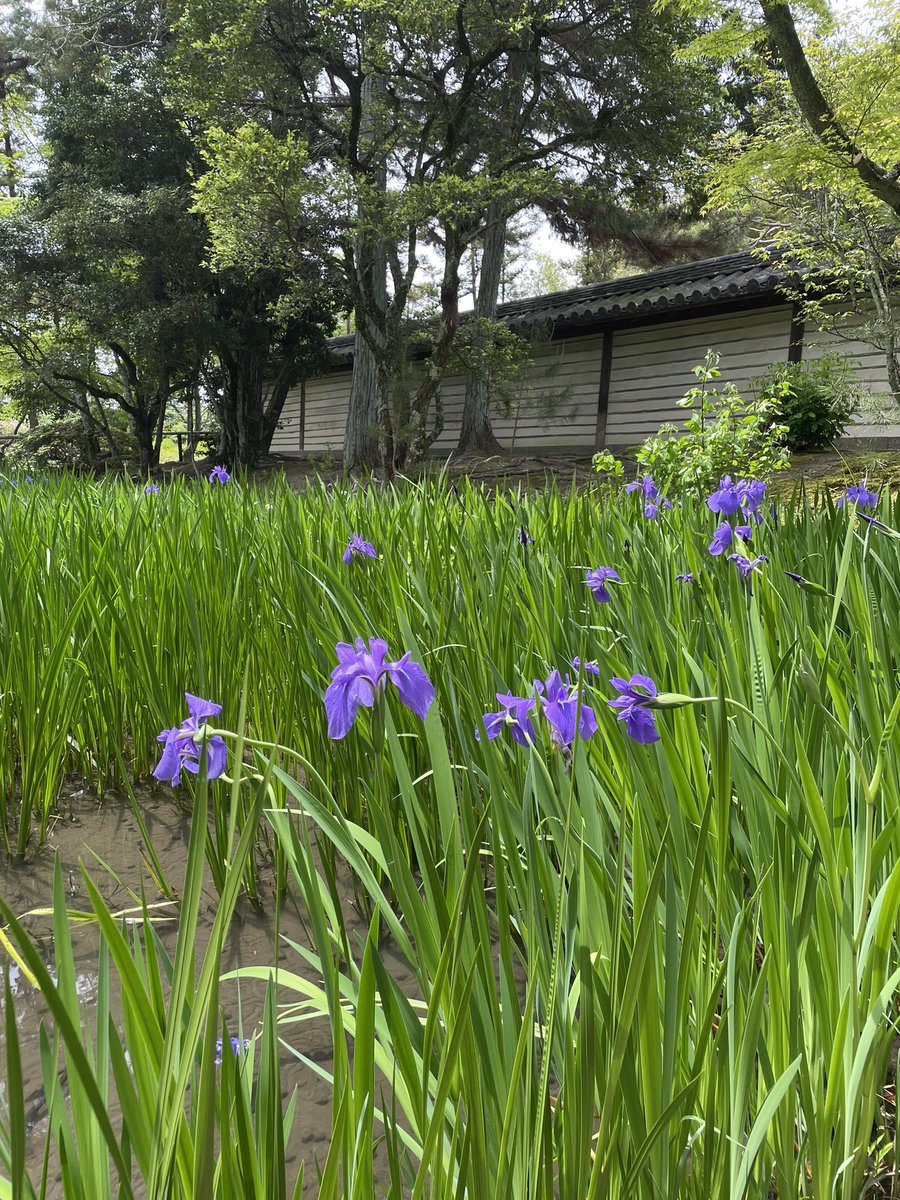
<point>195,195</point>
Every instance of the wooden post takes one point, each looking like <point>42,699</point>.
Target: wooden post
<point>302,445</point>
<point>603,391</point>
<point>795,345</point>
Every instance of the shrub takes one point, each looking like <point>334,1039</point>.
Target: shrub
<point>65,444</point>
<point>606,464</point>
<point>724,435</point>
<point>814,400</point>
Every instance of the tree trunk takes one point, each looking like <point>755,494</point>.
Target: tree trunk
<point>143,426</point>
<point>361,442</point>
<point>101,421</point>
<point>189,413</point>
<point>361,432</point>
<point>162,403</point>
<point>224,406</point>
<point>95,453</point>
<point>226,450</point>
<point>430,388</point>
<point>477,433</point>
<point>880,284</point>
<point>241,443</point>
<point>142,413</point>
<point>273,408</point>
<point>250,411</point>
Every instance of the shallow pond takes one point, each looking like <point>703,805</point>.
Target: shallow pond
<point>94,833</point>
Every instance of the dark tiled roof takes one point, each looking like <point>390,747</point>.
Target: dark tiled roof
<point>709,282</point>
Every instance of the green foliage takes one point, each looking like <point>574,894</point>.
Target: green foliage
<point>265,204</point>
<point>724,434</point>
<point>605,463</point>
<point>417,124</point>
<point>106,294</point>
<point>803,194</point>
<point>855,65</point>
<point>560,975</point>
<point>65,444</point>
<point>814,400</point>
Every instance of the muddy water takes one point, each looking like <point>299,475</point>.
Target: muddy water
<point>93,830</point>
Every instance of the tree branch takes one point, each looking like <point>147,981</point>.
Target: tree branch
<point>816,109</point>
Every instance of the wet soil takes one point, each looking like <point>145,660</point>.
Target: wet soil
<point>104,837</point>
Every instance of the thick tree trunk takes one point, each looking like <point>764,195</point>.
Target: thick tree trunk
<point>477,432</point>
<point>361,440</point>
<point>242,440</point>
<point>385,419</point>
<point>250,411</point>
<point>361,433</point>
<point>143,426</point>
<point>226,451</point>
<point>135,400</point>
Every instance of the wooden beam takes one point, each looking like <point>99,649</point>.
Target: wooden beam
<point>795,345</point>
<point>603,390</point>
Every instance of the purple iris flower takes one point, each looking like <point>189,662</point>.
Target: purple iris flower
<point>182,751</point>
<point>524,539</point>
<point>358,545</point>
<point>651,509</point>
<point>589,668</point>
<point>646,485</point>
<point>219,475</point>
<point>724,534</point>
<point>561,708</point>
<point>687,577</point>
<point>797,578</point>
<point>634,702</point>
<point>860,496</point>
<point>752,493</point>
<point>721,539</point>
<point>361,674</point>
<point>726,499</point>
<point>151,490</point>
<point>513,715</point>
<point>28,479</point>
<point>745,565</point>
<point>596,581</point>
<point>238,1046</point>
